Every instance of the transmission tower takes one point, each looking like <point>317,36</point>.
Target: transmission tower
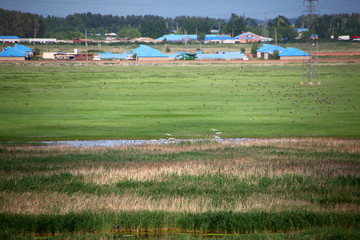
<point>310,65</point>
<point>265,31</point>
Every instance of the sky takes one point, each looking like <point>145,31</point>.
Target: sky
<point>171,8</point>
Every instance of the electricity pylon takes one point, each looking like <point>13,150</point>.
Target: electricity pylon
<point>310,64</point>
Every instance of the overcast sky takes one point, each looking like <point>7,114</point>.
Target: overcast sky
<point>172,8</point>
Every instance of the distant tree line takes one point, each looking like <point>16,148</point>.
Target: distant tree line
<point>33,25</point>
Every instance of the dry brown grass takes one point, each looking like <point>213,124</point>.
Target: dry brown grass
<point>260,164</point>
<point>59,203</point>
<point>247,164</point>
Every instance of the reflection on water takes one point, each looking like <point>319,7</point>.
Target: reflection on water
<point>112,143</point>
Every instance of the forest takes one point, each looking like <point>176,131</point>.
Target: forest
<point>74,25</point>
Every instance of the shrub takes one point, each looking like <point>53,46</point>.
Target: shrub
<point>254,47</point>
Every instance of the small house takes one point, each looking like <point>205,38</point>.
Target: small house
<point>266,50</point>
<point>13,54</point>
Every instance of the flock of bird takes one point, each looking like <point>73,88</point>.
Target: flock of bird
<point>286,101</point>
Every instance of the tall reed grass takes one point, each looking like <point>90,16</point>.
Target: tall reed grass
<point>155,221</point>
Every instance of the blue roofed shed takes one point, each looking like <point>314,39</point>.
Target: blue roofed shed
<point>23,48</point>
<point>293,54</point>
<point>145,52</point>
<point>12,53</point>
<point>9,39</point>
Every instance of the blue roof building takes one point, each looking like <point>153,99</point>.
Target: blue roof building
<point>222,55</point>
<point>110,55</point>
<point>145,51</point>
<point>293,53</point>
<point>10,39</point>
<point>24,48</point>
<point>267,49</point>
<point>13,53</point>
<point>219,38</point>
<point>177,38</point>
<point>299,30</point>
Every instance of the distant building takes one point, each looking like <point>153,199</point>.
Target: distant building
<point>16,53</point>
<point>146,53</point>
<point>178,38</point>
<point>214,31</point>
<point>110,34</point>
<point>9,39</point>
<point>144,40</point>
<point>38,40</point>
<point>114,56</point>
<point>293,54</point>
<point>74,56</point>
<point>266,50</point>
<point>248,37</point>
<point>219,38</point>
<point>266,39</point>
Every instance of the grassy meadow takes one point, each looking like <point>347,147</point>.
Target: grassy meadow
<point>283,189</point>
<point>64,101</point>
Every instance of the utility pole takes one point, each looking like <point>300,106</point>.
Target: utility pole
<point>86,45</point>
<point>275,36</point>
<point>36,25</point>
<point>310,63</point>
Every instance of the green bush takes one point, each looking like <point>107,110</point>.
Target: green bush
<point>254,47</point>
<point>275,55</point>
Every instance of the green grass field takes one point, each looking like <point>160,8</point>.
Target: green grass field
<point>302,189</point>
<point>145,101</point>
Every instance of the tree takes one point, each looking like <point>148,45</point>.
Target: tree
<point>201,36</point>
<point>284,28</point>
<point>254,47</point>
<point>153,26</point>
<point>236,25</point>
<point>129,32</point>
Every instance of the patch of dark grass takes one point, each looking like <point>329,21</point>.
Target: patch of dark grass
<point>146,221</point>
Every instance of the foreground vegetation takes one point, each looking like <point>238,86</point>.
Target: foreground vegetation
<point>144,101</point>
<point>302,188</point>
